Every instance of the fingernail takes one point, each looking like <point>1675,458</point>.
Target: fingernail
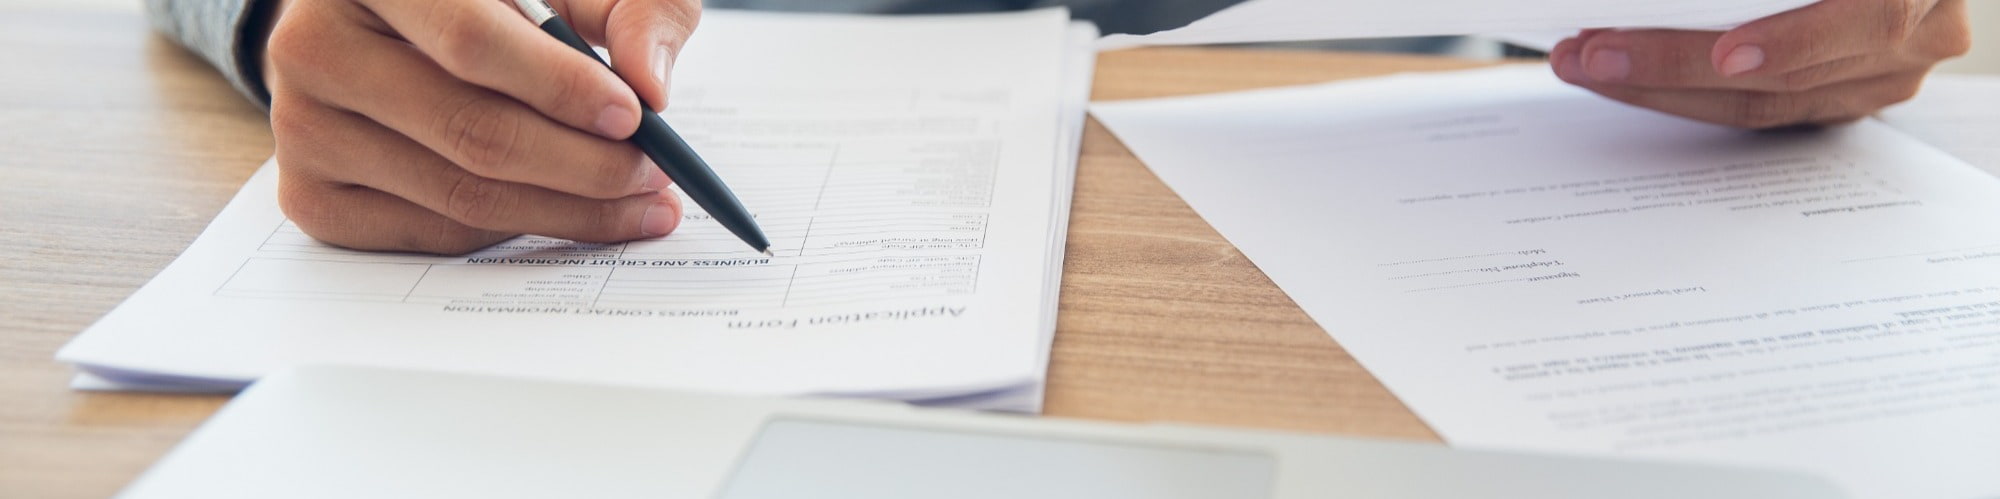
<point>656,180</point>
<point>615,122</point>
<point>1742,59</point>
<point>662,63</point>
<point>1608,65</point>
<point>659,220</point>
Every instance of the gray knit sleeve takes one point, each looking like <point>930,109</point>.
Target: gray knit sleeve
<point>218,30</point>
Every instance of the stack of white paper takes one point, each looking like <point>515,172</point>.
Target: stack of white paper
<point>1530,266</point>
<point>1298,20</point>
<point>908,171</point>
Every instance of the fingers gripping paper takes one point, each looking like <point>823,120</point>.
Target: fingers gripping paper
<point>1299,20</point>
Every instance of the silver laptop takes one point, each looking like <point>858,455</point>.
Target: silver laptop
<point>351,433</point>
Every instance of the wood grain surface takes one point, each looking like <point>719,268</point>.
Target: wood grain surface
<point>117,147</point>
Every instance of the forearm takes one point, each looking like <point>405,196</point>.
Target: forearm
<point>227,33</point>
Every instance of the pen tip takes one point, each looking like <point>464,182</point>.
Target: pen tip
<point>767,252</point>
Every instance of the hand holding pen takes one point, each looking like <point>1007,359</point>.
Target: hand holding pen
<point>664,146</point>
<point>445,126</point>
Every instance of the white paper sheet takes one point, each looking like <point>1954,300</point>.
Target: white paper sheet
<point>1299,20</point>
<point>1957,113</point>
<point>1529,266</point>
<point>906,169</point>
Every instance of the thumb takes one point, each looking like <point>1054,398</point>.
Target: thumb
<point>644,37</point>
<point>1817,34</point>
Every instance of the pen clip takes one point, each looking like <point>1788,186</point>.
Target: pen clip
<point>538,11</point>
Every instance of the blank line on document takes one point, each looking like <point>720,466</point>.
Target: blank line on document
<point>1928,253</point>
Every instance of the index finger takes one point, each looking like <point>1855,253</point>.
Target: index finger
<point>492,45</point>
<point>1817,34</point>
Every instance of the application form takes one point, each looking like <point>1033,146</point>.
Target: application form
<point>1300,20</point>
<point>913,174</point>
<point>1529,266</point>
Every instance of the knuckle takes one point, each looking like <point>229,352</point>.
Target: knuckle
<point>307,139</point>
<point>1807,50</point>
<point>572,88</point>
<point>1675,63</point>
<point>475,201</point>
<point>1899,19</point>
<point>1804,79</point>
<point>304,202</point>
<point>678,19</point>
<point>481,134</point>
<point>290,122</point>
<point>611,221</point>
<point>461,43</point>
<point>684,14</point>
<point>298,46</point>
<point>619,175</point>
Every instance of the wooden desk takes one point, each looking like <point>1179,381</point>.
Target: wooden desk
<point>118,147</point>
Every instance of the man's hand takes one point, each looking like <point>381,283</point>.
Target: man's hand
<point>1831,62</point>
<point>444,126</point>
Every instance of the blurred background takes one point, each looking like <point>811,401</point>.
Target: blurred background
<point>1985,57</point>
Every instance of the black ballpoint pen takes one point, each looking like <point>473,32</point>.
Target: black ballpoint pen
<point>665,147</point>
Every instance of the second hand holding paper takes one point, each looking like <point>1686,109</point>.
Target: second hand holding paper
<point>1529,266</point>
